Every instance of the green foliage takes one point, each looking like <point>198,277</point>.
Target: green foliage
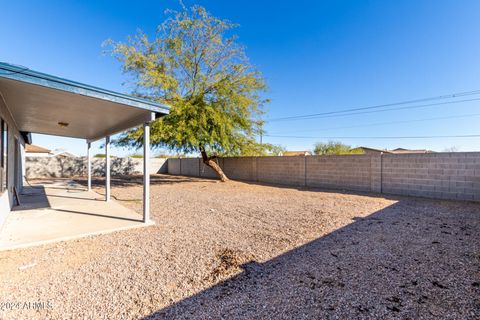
<point>197,68</point>
<point>99,155</point>
<point>258,150</point>
<point>334,147</point>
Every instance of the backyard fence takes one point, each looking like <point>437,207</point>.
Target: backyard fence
<point>453,175</point>
<point>65,167</point>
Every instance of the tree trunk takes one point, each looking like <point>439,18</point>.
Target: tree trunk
<point>210,162</point>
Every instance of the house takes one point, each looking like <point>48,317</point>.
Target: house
<point>32,150</point>
<point>35,102</point>
<point>368,150</point>
<point>404,151</point>
<point>295,153</point>
<point>35,151</point>
<point>63,153</point>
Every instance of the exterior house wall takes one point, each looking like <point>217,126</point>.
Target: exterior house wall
<point>7,197</point>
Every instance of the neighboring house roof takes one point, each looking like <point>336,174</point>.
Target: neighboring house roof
<point>397,150</point>
<point>402,150</point>
<point>31,148</point>
<point>374,149</point>
<point>64,153</point>
<point>296,153</point>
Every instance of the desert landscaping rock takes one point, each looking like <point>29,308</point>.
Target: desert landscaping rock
<point>246,251</point>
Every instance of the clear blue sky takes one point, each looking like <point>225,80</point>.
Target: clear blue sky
<point>317,56</point>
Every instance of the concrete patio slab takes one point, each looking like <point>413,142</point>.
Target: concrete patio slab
<point>59,210</point>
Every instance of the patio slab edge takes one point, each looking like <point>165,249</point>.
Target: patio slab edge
<point>75,237</point>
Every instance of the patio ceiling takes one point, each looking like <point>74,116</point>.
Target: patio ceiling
<point>41,103</point>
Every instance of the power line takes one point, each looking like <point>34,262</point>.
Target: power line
<point>322,114</point>
<point>387,123</point>
<point>385,110</point>
<point>391,137</point>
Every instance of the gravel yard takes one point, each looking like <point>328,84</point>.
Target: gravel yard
<point>237,250</point>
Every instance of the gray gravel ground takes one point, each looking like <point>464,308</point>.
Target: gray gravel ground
<point>245,251</point>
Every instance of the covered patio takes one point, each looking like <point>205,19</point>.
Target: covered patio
<point>60,210</point>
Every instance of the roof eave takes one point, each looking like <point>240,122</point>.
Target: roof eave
<point>45,80</point>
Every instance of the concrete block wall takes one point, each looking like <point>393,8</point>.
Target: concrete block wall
<point>190,167</point>
<point>435,175</point>
<point>65,167</point>
<point>206,171</point>
<point>352,172</point>
<point>173,165</point>
<point>281,170</point>
<point>241,168</point>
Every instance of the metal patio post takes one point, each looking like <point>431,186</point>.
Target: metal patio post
<point>107,168</point>
<point>89,166</point>
<point>146,172</point>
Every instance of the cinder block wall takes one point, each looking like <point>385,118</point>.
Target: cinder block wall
<point>174,166</point>
<point>65,167</point>
<point>281,170</point>
<point>241,168</point>
<point>190,167</point>
<point>352,172</point>
<point>435,175</point>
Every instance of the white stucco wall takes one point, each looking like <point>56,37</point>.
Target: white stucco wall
<point>6,197</point>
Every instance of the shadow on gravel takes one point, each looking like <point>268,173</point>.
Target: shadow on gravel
<point>415,259</point>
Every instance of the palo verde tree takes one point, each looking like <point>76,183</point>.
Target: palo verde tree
<point>334,147</point>
<point>195,65</point>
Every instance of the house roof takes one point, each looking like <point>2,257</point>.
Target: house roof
<point>295,153</point>
<point>31,148</point>
<point>402,150</point>
<point>397,150</point>
<point>43,103</point>
<point>374,149</point>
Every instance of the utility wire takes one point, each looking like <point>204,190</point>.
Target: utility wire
<point>391,137</point>
<point>323,114</point>
<point>385,110</point>
<point>387,123</point>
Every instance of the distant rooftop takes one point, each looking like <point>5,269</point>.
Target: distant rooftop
<point>296,153</point>
<point>395,151</point>
<point>31,148</point>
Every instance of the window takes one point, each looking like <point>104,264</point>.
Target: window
<point>3,155</point>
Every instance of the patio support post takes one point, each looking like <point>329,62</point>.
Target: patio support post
<point>89,166</point>
<point>146,172</point>
<point>107,168</point>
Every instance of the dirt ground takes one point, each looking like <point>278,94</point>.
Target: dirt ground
<point>245,251</point>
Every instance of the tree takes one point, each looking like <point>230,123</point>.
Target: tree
<point>198,68</point>
<point>333,147</point>
<point>451,149</point>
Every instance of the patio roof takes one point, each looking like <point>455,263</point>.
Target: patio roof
<point>42,103</point>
